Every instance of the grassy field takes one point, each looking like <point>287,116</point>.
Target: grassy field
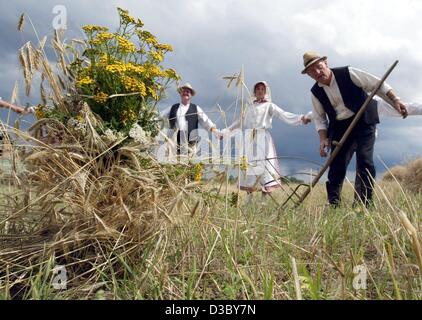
<point>258,251</point>
<point>261,252</point>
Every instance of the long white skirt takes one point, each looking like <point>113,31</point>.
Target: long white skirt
<point>263,170</point>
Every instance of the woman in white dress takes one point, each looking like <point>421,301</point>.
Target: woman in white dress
<point>262,172</point>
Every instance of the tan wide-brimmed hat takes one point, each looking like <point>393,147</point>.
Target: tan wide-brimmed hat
<point>188,86</point>
<point>311,57</point>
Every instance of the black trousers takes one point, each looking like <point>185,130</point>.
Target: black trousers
<point>183,139</point>
<point>361,141</point>
<point>1,144</point>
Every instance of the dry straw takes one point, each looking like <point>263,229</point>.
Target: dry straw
<point>86,197</point>
<point>408,175</point>
<point>21,22</point>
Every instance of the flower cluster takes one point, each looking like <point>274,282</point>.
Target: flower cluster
<point>125,45</point>
<point>85,81</point>
<point>133,85</point>
<point>101,97</point>
<point>120,75</point>
<point>104,36</point>
<point>39,113</point>
<point>130,67</point>
<point>198,172</point>
<point>77,124</point>
<point>116,67</point>
<point>110,136</point>
<point>138,134</point>
<point>128,116</point>
<point>243,163</point>
<point>92,28</point>
<point>126,18</point>
<point>46,111</point>
<point>156,55</point>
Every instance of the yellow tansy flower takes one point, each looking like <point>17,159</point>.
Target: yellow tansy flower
<point>116,67</point>
<point>171,73</point>
<point>124,15</point>
<point>128,116</point>
<point>243,163</point>
<point>153,93</point>
<point>198,171</point>
<point>104,36</point>
<point>135,68</point>
<point>125,44</point>
<point>151,70</point>
<point>164,47</point>
<point>156,55</point>
<point>134,85</point>
<point>39,113</point>
<point>85,81</point>
<point>91,28</point>
<point>101,97</point>
<point>103,59</point>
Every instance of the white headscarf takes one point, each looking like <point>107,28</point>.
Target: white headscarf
<point>267,92</point>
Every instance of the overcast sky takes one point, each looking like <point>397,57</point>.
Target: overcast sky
<point>215,38</point>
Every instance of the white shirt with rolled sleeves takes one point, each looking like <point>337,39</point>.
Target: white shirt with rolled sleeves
<point>362,79</point>
<point>181,122</point>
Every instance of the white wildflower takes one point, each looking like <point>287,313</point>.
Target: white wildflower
<point>119,135</point>
<point>76,125</point>
<point>138,134</point>
<point>109,135</point>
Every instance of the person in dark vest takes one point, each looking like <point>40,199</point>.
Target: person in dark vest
<point>338,94</point>
<point>185,117</point>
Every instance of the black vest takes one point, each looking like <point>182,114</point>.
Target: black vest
<point>353,96</point>
<point>191,117</point>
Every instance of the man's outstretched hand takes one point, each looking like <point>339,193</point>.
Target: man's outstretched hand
<point>401,108</point>
<point>217,133</point>
<point>323,148</point>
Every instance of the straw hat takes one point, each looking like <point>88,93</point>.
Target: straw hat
<point>188,86</point>
<point>311,57</point>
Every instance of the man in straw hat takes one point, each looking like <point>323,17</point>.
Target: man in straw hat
<point>185,117</point>
<point>338,95</point>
